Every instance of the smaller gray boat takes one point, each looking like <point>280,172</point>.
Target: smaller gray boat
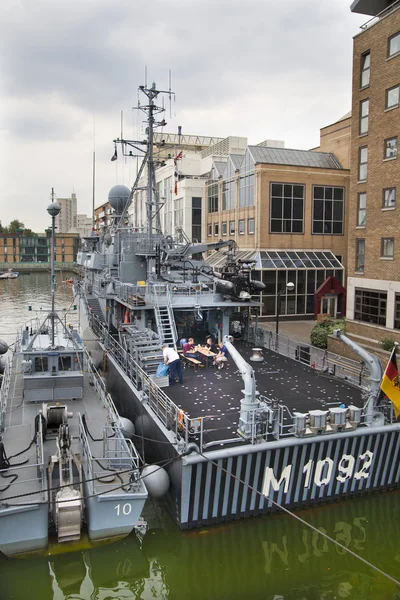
<point>66,461</point>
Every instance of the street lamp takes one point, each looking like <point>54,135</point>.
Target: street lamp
<point>289,288</point>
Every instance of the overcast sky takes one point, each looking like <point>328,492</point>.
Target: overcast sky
<point>264,69</point>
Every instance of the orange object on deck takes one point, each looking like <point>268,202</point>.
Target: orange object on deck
<point>127,318</point>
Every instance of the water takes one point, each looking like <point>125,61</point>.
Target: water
<point>271,558</point>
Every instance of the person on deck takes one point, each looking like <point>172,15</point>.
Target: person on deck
<point>211,345</point>
<point>222,356</point>
<point>171,358</point>
<point>189,349</point>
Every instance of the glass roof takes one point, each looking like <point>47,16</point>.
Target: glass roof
<point>280,259</point>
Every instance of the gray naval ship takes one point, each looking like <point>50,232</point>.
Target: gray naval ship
<point>265,433</point>
<point>66,465</point>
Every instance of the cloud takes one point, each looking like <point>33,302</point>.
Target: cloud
<point>256,68</point>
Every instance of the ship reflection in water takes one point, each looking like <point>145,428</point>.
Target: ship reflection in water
<point>274,558</point>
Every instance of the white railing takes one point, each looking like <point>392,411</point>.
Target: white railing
<point>119,454</point>
<point>321,360</point>
<point>4,390</point>
<point>170,415</point>
<point>384,13</point>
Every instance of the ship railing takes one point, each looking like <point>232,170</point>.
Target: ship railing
<point>171,290</point>
<point>4,390</point>
<point>100,387</point>
<point>164,408</point>
<point>119,455</point>
<point>99,286</point>
<point>29,476</point>
<point>323,361</point>
<point>130,293</point>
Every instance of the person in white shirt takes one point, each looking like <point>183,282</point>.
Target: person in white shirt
<point>172,359</point>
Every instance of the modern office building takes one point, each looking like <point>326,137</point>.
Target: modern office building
<point>66,219</point>
<point>373,284</point>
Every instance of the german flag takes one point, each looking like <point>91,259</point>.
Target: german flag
<point>390,384</point>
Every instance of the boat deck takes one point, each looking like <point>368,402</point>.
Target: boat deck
<point>20,448</point>
<point>216,394</point>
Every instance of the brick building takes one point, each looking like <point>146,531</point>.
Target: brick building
<point>17,249</point>
<point>287,212</point>
<point>373,284</point>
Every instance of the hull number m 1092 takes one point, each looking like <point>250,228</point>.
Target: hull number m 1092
<point>321,472</point>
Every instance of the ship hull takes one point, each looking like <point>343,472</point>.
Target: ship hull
<point>23,529</point>
<point>113,516</point>
<point>229,484</point>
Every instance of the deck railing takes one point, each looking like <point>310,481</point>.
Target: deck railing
<point>119,454</point>
<point>4,390</point>
<point>170,415</point>
<point>321,360</point>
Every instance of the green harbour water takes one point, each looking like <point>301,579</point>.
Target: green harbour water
<point>270,558</point>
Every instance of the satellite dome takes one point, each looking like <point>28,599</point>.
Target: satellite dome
<point>119,197</point>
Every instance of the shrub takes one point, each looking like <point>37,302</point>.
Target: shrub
<point>387,344</point>
<point>320,331</point>
<point>319,336</point>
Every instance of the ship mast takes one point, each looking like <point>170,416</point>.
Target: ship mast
<point>151,109</point>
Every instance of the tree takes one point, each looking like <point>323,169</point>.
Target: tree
<point>29,233</point>
<point>15,225</point>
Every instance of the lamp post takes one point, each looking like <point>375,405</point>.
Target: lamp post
<point>289,288</point>
<point>53,209</point>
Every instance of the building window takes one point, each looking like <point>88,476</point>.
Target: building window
<point>394,45</point>
<point>212,192</point>
<point>287,208</point>
<point>392,97</point>
<point>362,209</point>
<point>365,69</point>
<point>389,198</point>
<point>360,255</point>
<point>387,247</point>
<point>196,219</point>
<point>209,229</point>
<point>391,148</point>
<point>364,113</point>
<point>328,203</point>
<point>363,163</point>
<point>216,229</point>
<point>224,228</point>
<point>250,226</point>
<point>397,311</point>
<point>228,195</point>
<point>370,306</point>
<point>231,227</point>
<point>241,227</point>
<point>246,191</point>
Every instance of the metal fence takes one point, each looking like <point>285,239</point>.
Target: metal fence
<point>321,360</point>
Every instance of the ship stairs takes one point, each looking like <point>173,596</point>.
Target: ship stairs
<point>165,319</point>
<point>95,309</point>
<point>144,346</point>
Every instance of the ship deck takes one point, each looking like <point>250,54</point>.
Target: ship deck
<point>19,434</point>
<point>216,394</point>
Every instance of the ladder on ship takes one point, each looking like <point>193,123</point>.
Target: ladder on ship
<point>95,309</point>
<point>165,319</point>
